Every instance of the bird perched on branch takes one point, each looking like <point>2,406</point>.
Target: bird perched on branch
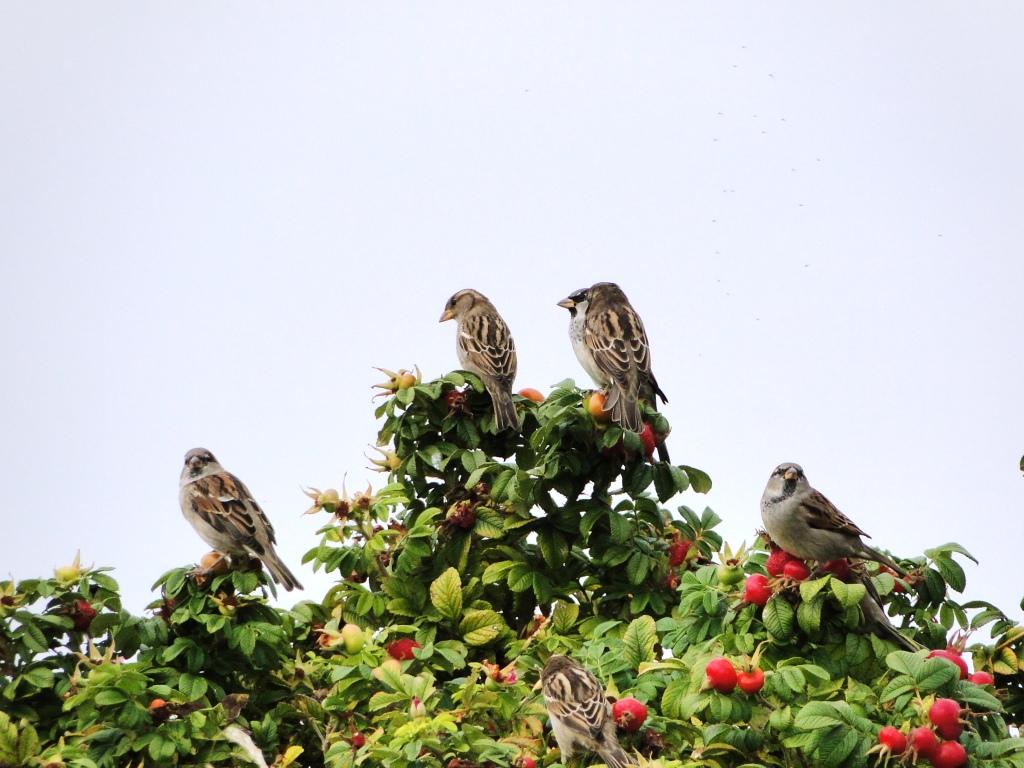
<point>807,525</point>
<point>611,344</point>
<point>225,515</point>
<point>485,347</point>
<point>580,715</point>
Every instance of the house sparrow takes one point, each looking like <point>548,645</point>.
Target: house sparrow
<point>225,515</point>
<point>581,717</point>
<point>609,340</point>
<point>806,524</point>
<point>485,347</point>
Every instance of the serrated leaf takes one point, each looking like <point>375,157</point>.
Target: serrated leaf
<point>553,547</point>
<point>639,640</point>
<point>778,618</point>
<point>564,616</point>
<point>637,567</point>
<point>808,616</point>
<point>898,686</point>
<point>495,571</point>
<point>808,589</point>
<point>817,715</point>
<point>479,627</point>
<point>489,524</point>
<point>951,573</point>
<point>446,594</point>
<point>905,662</point>
<point>664,482</point>
<point>936,673</point>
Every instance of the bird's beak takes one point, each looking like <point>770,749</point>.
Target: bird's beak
<point>790,475</point>
<point>446,315</point>
<point>567,303</point>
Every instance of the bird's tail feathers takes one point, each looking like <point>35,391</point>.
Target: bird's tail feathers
<point>615,756</point>
<point>625,410</point>
<point>279,571</point>
<point>505,416</point>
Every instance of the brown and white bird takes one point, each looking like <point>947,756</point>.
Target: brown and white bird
<point>485,347</point>
<point>806,524</point>
<point>225,515</point>
<point>579,712</point>
<point>611,344</point>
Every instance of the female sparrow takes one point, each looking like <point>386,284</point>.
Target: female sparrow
<point>806,524</point>
<point>580,715</point>
<point>485,347</point>
<point>610,342</point>
<point>225,515</point>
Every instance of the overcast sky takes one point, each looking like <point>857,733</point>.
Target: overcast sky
<point>215,218</point>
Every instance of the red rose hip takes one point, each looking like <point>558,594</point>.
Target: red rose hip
<point>893,740</point>
<point>751,682</point>
<point>721,674</point>
<point>629,714</point>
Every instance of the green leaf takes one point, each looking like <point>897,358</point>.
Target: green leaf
<point>936,673</point>
<point>778,618</point>
<point>817,715</point>
<point>808,616</point>
<point>108,697</point>
<point>489,524</point>
<point>564,616</point>
<point>848,595</point>
<point>906,662</point>
<point>479,627</point>
<point>496,571</point>
<point>664,482</point>
<point>976,697</point>
<point>951,572</point>
<point>192,686</point>
<point>896,687</point>
<point>700,481</point>
<point>520,577</point>
<point>39,677</point>
<point>639,640</point>
<point>446,594</point>
<point>808,589</point>
<point>637,567</point>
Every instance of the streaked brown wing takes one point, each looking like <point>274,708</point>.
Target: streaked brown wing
<point>617,341</point>
<point>488,342</point>
<point>821,513</point>
<point>575,696</point>
<point>230,507</point>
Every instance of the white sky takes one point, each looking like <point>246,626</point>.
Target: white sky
<point>215,218</point>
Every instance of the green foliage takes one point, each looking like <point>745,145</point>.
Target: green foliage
<point>481,555</point>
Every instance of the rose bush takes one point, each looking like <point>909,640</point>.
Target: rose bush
<point>479,556</point>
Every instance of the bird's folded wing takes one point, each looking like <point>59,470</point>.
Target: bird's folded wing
<point>228,506</point>
<point>617,341</point>
<point>489,345</point>
<point>819,512</point>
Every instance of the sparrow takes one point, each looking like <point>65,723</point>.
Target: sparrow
<point>580,714</point>
<point>225,515</point>
<point>806,524</point>
<point>485,347</point>
<point>611,344</point>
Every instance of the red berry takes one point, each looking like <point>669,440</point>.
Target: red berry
<point>629,714</point>
<point>751,682</point>
<point>721,674</point>
<point>776,561</point>
<point>677,551</point>
<point>839,568</point>
<point>357,740</point>
<point>649,439</point>
<point>982,678</point>
<point>924,741</point>
<point>796,570</point>
<point>893,740</point>
<point>954,657</point>
<point>757,589</point>
<point>950,754</point>
<point>402,649</point>
<point>945,716</point>
<point>82,615</point>
<point>525,762</point>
